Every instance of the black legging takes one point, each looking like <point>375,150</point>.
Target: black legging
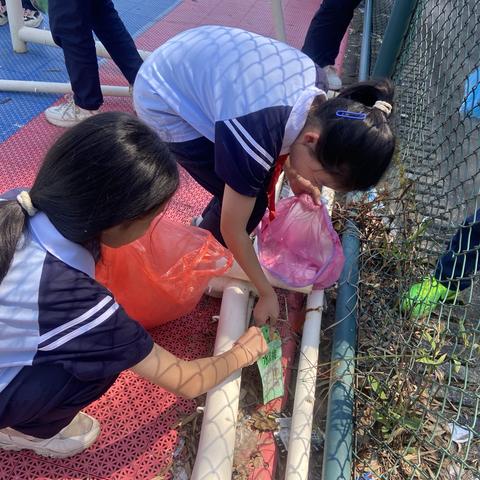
<point>327,29</point>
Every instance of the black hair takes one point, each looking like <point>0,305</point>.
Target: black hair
<point>106,170</point>
<point>357,152</point>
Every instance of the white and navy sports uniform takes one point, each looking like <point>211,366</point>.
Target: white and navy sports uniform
<point>229,102</point>
<point>63,338</point>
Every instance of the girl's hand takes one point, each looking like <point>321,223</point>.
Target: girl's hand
<point>300,185</point>
<point>252,344</point>
<point>266,309</point>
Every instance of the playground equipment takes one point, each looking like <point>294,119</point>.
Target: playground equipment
<point>20,35</point>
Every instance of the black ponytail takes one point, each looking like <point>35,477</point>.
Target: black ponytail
<point>358,152</point>
<point>12,222</point>
<point>107,169</point>
<point>369,92</point>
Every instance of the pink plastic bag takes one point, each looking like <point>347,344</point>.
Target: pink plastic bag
<point>300,246</point>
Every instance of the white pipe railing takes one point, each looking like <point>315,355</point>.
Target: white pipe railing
<point>15,23</point>
<point>217,439</point>
<point>54,87</point>
<point>237,272</point>
<point>302,417</point>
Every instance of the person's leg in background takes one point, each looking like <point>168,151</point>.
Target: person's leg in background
<point>454,271</point>
<point>71,27</point>
<point>72,23</point>
<point>325,33</point>
<point>462,259</point>
<point>111,31</point>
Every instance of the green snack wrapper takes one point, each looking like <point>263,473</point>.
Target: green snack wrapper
<point>270,366</point>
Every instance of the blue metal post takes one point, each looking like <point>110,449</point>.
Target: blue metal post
<point>337,459</point>
<point>337,456</point>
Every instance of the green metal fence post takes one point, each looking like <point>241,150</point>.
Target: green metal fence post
<point>392,42</point>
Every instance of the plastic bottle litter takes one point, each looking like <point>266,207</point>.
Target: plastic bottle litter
<point>459,434</point>
<point>366,476</point>
<point>282,435</point>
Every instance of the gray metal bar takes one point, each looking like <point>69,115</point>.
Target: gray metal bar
<point>364,72</point>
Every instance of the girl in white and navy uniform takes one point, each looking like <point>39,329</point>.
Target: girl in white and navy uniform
<point>63,338</point>
<point>232,103</point>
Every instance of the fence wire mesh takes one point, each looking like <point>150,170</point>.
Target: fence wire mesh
<point>418,369</point>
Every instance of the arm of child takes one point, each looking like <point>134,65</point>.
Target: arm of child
<point>190,379</point>
<point>236,210</point>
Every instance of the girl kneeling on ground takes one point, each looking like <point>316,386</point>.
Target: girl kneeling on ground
<point>64,340</point>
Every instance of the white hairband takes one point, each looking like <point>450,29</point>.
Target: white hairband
<point>24,200</point>
<point>385,107</point>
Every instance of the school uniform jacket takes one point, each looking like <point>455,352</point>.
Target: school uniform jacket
<point>52,311</point>
<point>247,93</point>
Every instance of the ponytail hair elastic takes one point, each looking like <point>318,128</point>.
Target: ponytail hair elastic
<point>24,200</point>
<point>383,106</point>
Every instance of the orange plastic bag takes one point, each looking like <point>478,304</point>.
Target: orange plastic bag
<point>163,275</point>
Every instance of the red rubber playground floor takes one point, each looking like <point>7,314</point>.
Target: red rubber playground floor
<point>138,419</point>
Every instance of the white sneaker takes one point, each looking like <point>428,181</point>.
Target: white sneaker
<point>77,436</point>
<point>334,81</point>
<point>3,15</point>
<point>67,114</point>
<point>32,18</point>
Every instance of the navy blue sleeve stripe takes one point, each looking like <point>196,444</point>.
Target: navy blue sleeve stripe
<point>246,147</point>
<point>81,330</point>
<point>80,319</point>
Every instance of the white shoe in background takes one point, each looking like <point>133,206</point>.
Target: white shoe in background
<point>334,81</point>
<point>32,18</point>
<point>68,114</point>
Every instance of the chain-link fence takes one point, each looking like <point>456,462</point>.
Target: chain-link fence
<point>418,369</point>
